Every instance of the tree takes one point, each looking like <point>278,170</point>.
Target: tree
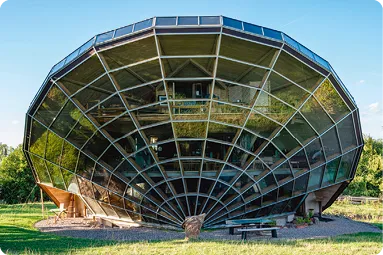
<point>16,179</point>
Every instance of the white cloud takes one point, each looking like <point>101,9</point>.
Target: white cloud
<point>2,1</point>
<point>374,107</point>
<point>361,81</point>
<point>15,122</point>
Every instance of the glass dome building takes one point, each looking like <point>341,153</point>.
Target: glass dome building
<point>177,116</point>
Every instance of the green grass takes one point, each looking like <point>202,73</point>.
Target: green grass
<point>17,236</point>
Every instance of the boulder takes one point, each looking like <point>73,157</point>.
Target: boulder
<point>192,226</point>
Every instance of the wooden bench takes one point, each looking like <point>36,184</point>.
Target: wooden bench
<point>245,230</point>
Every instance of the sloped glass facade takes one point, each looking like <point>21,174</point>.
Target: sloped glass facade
<point>177,116</point>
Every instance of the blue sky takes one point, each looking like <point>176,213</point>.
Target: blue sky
<point>36,34</point>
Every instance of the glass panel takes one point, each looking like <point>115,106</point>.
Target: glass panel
<point>54,146</point>
<point>272,33</point>
<point>144,95</point>
<point>285,90</point>
<point>269,198</point>
<point>300,129</point>
<point>291,41</point>
<point>108,109</point>
<point>131,143</point>
<point>285,191</point>
<point>330,173</point>
<point>297,71</point>
<point>123,31</point>
<point>209,20</point>
<point>51,106</point>
<point>66,119</point>
<point>191,148</point>
<point>41,170</point>
<point>96,145</point>
<point>69,156</point>
<point>152,115</point>
<point>240,158</point>
<point>331,101</point>
<point>315,115</point>
<point>111,158</point>
<point>222,132</point>
<point>347,133</point>
<point>188,44</point>
<point>100,193</point>
<point>143,24</point>
<point>172,169</point>
<point>86,46</point>
<point>95,93</point>
<point>232,93</point>
<point>232,23</point>
<point>252,28</point>
<point>70,180</point>
<point>82,74</point>
<point>216,150</point>
<point>228,114</point>
<point>315,178</point>
<point>293,204</point>
<point>315,153</point>
<point>331,144</point>
<point>130,53</point>
<point>85,166</point>
<point>188,67</point>
<point>286,143</point>
<point>120,126</point>
<point>101,175</point>
<point>125,171</point>
<point>300,185</point>
<point>143,158</point>
<point>166,21</point>
<point>211,169</point>
<point>159,133</point>
<point>271,156</point>
<point>155,174</point>
<point>261,125</point>
<point>251,142</point>
<point>191,167</point>
<point>241,73</point>
<point>190,129</point>
<point>192,20</point>
<point>165,151</point>
<point>104,37</point>
<point>56,176</point>
<point>345,166</point>
<point>283,173</point>
<point>267,183</point>
<point>306,52</point>
<point>299,163</point>
<point>273,108</point>
<point>38,139</point>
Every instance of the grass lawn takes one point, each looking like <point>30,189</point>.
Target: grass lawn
<point>17,236</point>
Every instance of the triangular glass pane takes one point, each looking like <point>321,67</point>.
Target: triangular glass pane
<point>70,181</point>
<point>246,51</point>
<point>69,156</point>
<point>131,52</point>
<point>300,185</point>
<point>261,125</point>
<point>51,106</point>
<point>285,90</point>
<point>300,129</point>
<point>331,101</point>
<point>273,108</point>
<point>228,114</point>
<point>347,133</point>
<point>82,74</point>
<point>293,204</point>
<point>270,197</point>
<point>315,115</point>
<point>222,132</point>
<point>331,144</point>
<point>41,170</point>
<point>285,191</point>
<point>190,129</point>
<point>56,176</point>
<point>297,71</point>
<point>241,73</point>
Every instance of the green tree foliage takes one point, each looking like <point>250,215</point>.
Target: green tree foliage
<point>16,179</point>
<point>368,177</point>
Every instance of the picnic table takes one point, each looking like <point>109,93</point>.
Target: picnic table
<point>58,213</point>
<point>244,223</point>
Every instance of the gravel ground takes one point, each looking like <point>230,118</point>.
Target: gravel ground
<point>77,228</point>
